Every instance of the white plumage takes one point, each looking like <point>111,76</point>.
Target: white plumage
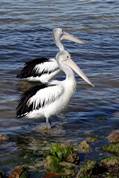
<point>46,96</point>
<point>47,66</point>
<point>46,71</point>
<point>48,100</point>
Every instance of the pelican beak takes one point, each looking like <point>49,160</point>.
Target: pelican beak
<point>78,71</point>
<point>67,36</point>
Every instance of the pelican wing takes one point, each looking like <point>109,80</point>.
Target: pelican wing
<point>37,97</point>
<point>38,67</point>
<point>45,96</point>
<point>46,67</point>
<point>28,69</point>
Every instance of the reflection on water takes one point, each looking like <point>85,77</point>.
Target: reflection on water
<point>26,32</point>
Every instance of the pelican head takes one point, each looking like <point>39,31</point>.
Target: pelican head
<point>60,35</point>
<point>64,60</point>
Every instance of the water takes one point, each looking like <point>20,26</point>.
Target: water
<point>25,33</point>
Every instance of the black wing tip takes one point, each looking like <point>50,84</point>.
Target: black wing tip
<point>20,111</point>
<point>23,109</point>
<point>36,61</point>
<point>18,116</point>
<point>28,69</point>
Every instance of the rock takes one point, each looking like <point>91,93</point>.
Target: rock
<point>113,137</point>
<point>91,139</point>
<point>73,158</point>
<point>19,172</point>
<point>3,138</point>
<point>51,164</point>
<point>111,164</point>
<point>84,147</point>
<point>112,148</point>
<point>52,175</point>
<point>86,170</point>
<point>69,170</point>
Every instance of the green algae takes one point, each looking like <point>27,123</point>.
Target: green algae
<point>52,164</point>
<point>91,139</point>
<point>61,159</point>
<point>86,170</point>
<point>112,148</point>
<point>61,151</point>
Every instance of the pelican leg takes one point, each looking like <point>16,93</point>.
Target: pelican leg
<point>48,124</point>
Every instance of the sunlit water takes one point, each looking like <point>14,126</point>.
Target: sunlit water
<point>26,33</point>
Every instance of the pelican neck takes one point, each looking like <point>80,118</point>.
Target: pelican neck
<point>69,72</point>
<point>59,45</point>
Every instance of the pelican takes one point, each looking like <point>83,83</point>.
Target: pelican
<point>43,69</point>
<point>50,99</point>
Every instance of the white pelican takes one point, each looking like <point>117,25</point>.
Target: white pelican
<point>49,99</point>
<point>43,69</point>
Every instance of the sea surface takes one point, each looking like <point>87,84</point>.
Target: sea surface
<point>26,33</point>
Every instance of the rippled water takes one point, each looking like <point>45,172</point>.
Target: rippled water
<point>26,32</point>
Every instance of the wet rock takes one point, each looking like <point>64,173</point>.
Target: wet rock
<point>86,170</point>
<point>84,147</point>
<point>91,139</point>
<point>51,163</point>
<point>53,131</point>
<point>111,164</point>
<point>68,172</point>
<point>113,137</point>
<point>19,172</point>
<point>3,138</point>
<point>52,175</point>
<point>73,158</point>
<point>112,148</point>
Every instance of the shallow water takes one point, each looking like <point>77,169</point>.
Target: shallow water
<point>26,33</point>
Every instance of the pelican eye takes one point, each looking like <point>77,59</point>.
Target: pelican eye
<point>67,57</point>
